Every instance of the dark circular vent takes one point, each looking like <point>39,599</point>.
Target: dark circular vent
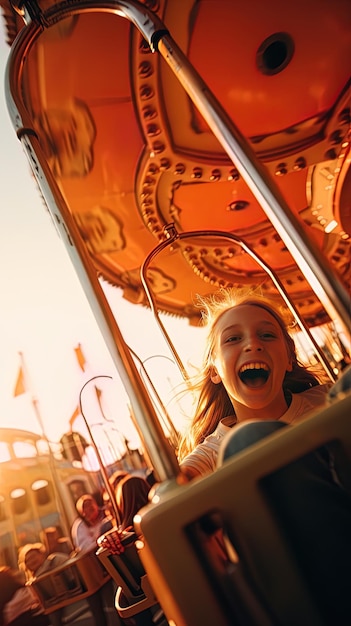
<point>275,53</point>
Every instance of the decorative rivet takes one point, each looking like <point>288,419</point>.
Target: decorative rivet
<point>145,69</point>
<point>281,169</point>
<point>154,5</point>
<point>299,164</point>
<point>233,174</point>
<point>149,113</point>
<point>146,92</point>
<point>158,147</point>
<point>215,175</point>
<point>197,172</point>
<point>330,154</point>
<point>144,47</point>
<point>145,194</point>
<point>344,116</point>
<point>148,191</point>
<point>147,212</point>
<point>335,137</point>
<point>165,164</point>
<point>153,168</point>
<point>179,169</point>
<point>237,205</point>
<point>153,130</point>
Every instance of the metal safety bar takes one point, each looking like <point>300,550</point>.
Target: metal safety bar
<point>173,236</point>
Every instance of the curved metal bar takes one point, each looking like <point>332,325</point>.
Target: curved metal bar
<point>174,435</point>
<point>174,236</point>
<point>107,483</point>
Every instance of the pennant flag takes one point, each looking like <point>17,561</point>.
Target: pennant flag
<point>19,386</point>
<point>74,416</point>
<point>98,397</point>
<point>80,357</point>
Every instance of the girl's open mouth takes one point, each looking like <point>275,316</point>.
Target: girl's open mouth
<point>254,374</point>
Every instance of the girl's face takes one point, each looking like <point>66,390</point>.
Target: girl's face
<point>250,358</point>
<point>90,511</point>
<point>34,559</point>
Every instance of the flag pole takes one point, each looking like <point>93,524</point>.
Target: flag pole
<point>103,470</point>
<point>26,386</point>
<point>82,364</point>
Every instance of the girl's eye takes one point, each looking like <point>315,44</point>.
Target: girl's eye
<point>232,338</point>
<point>268,335</point>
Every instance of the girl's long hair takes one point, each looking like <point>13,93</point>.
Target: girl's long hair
<point>213,403</point>
<point>131,495</point>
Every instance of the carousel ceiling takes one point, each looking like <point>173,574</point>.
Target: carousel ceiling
<point>131,153</point>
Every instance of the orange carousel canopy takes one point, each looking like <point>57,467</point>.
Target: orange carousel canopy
<point>131,153</point>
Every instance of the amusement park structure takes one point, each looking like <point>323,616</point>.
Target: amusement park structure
<point>182,146</point>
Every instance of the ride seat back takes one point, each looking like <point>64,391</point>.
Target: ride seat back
<point>134,593</point>
<point>233,497</point>
<point>75,580</point>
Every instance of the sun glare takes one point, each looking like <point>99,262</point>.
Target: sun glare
<point>4,452</point>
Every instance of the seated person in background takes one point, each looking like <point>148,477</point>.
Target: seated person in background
<point>85,530</point>
<point>18,604</point>
<point>34,560</point>
<point>114,479</point>
<point>90,524</point>
<point>131,495</point>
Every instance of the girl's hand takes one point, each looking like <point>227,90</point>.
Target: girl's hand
<point>111,541</point>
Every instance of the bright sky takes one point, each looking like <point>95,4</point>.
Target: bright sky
<point>44,313</point>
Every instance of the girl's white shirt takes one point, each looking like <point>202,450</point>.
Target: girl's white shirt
<point>203,459</point>
<point>85,537</point>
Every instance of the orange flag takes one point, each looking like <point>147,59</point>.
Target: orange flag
<point>19,386</point>
<point>80,357</point>
<point>74,416</point>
